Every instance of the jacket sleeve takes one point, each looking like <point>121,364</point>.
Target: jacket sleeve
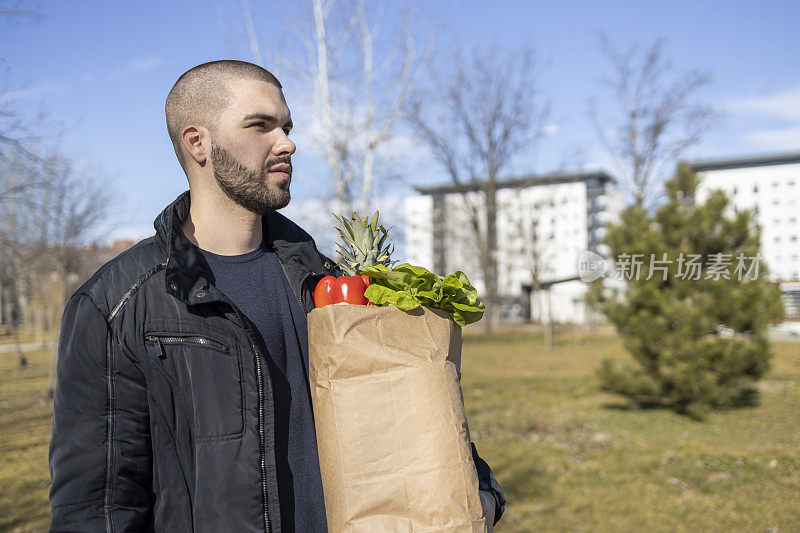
<point>100,460</point>
<point>488,483</point>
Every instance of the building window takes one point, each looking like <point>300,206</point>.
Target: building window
<point>777,240</point>
<point>776,202</point>
<point>794,238</point>
<point>734,191</point>
<point>791,183</point>
<point>776,221</point>
<point>755,188</point>
<point>774,183</point>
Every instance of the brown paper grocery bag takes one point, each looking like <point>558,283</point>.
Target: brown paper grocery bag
<point>393,440</point>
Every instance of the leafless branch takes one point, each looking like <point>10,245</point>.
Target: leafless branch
<point>481,125</point>
<point>20,11</point>
<point>656,118</point>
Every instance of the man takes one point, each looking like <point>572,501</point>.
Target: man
<point>182,399</point>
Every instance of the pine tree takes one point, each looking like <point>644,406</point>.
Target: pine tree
<point>697,344</point>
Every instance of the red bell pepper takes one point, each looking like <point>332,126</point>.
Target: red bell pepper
<point>347,289</point>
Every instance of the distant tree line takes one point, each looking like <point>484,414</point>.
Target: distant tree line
<point>49,212</point>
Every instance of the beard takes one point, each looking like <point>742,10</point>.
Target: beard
<point>250,189</point>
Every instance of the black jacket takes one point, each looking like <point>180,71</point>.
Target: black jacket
<point>163,413</point>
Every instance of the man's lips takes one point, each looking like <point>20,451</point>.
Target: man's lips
<point>282,167</point>
<point>281,171</point>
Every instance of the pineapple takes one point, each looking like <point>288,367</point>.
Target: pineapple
<point>364,244</point>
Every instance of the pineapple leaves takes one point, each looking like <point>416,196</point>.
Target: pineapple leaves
<point>363,243</point>
<point>408,287</point>
<point>373,224</point>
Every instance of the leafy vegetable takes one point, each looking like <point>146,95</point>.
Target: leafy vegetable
<point>408,287</point>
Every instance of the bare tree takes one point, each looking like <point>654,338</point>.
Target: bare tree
<point>21,184</point>
<point>47,216</point>
<point>12,129</point>
<point>656,116</point>
<point>46,209</point>
<point>478,121</point>
<point>357,73</point>
<point>15,181</point>
<point>536,250</point>
<point>20,10</point>
<point>74,207</point>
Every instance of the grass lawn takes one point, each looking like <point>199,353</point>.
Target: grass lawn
<point>569,457</point>
<point>572,458</point>
<point>25,420</point>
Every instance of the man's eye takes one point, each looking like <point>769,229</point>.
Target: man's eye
<point>287,131</point>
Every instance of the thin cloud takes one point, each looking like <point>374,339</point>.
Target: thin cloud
<point>776,116</point>
<point>137,66</point>
<point>776,139</point>
<point>45,88</point>
<point>782,104</point>
<point>37,90</point>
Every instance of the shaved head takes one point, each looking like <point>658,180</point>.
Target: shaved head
<point>201,93</point>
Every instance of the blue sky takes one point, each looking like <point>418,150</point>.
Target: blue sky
<point>101,70</point>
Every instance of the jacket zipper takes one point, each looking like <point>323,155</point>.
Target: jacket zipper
<point>196,340</point>
<point>111,392</point>
<point>302,282</point>
<point>261,422</point>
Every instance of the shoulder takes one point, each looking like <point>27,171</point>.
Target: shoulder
<point>107,286</point>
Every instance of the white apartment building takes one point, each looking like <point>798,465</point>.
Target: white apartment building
<point>770,186</point>
<point>543,224</point>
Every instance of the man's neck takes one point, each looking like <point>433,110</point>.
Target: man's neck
<point>221,227</point>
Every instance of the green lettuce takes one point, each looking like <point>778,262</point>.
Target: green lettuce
<point>408,287</point>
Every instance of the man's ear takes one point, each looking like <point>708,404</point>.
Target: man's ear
<point>197,143</point>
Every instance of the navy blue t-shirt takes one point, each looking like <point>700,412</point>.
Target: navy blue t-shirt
<point>256,284</point>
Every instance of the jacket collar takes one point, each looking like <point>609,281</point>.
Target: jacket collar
<point>184,272</point>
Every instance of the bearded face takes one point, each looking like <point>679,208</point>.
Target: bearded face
<point>252,189</point>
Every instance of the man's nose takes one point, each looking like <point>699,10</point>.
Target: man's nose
<point>284,146</point>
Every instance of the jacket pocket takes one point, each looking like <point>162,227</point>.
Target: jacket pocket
<point>206,373</point>
<point>192,340</point>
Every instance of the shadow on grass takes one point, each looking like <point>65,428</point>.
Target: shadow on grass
<point>523,482</point>
<point>749,397</point>
<point>623,405</point>
<point>13,524</point>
